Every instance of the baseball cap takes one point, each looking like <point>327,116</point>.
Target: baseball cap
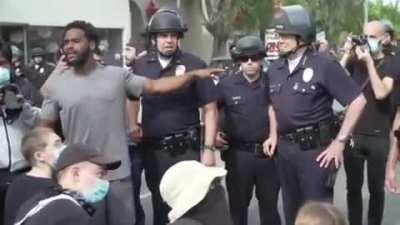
<point>76,153</point>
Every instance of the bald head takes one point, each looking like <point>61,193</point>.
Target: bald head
<point>374,29</point>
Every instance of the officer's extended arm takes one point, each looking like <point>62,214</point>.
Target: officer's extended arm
<point>172,83</point>
<point>390,179</point>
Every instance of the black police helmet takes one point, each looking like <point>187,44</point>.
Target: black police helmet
<point>247,46</point>
<point>295,20</point>
<point>38,52</point>
<point>166,20</point>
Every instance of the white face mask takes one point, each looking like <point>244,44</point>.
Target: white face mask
<point>5,76</point>
<point>57,153</point>
<point>375,45</point>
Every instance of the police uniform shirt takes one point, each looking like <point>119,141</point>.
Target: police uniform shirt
<point>177,111</point>
<point>245,106</point>
<point>304,97</point>
<point>38,74</point>
<point>375,119</point>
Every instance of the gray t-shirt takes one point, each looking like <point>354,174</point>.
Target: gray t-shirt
<point>92,110</point>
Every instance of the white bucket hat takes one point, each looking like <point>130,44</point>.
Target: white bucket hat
<point>185,184</point>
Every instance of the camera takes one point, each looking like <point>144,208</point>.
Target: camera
<point>359,40</point>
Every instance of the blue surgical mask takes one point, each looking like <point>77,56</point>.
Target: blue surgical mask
<point>4,76</point>
<point>98,192</point>
<point>374,45</point>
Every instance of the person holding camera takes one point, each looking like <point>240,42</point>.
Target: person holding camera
<point>250,130</point>
<point>303,84</point>
<point>374,72</point>
<point>17,117</point>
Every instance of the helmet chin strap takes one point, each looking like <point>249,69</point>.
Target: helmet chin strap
<point>293,51</point>
<point>164,56</point>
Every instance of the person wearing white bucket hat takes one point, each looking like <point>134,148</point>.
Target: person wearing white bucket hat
<point>193,191</point>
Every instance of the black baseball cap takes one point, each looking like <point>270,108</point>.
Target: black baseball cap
<point>76,153</point>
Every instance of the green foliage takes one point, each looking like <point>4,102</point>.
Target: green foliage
<point>335,16</point>
<point>391,12</point>
<point>250,15</point>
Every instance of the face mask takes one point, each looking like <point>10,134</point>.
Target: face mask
<point>4,76</point>
<point>58,151</point>
<point>374,45</point>
<point>98,192</point>
<point>56,154</point>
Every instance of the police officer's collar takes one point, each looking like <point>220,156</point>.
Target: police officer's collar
<point>240,79</point>
<point>176,58</point>
<point>302,64</point>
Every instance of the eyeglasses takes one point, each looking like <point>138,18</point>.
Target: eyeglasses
<point>253,58</point>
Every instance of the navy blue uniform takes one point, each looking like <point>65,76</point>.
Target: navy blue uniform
<point>302,101</point>
<point>246,122</point>
<point>172,118</point>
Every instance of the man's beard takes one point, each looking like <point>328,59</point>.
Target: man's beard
<point>81,59</point>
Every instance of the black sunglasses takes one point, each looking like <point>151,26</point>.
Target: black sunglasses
<point>253,58</point>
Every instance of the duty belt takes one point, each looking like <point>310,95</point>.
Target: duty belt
<point>252,147</point>
<point>310,137</point>
<point>175,144</point>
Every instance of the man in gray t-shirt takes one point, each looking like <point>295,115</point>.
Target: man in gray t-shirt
<point>89,99</point>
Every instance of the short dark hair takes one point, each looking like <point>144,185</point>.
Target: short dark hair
<point>90,31</point>
<point>34,141</point>
<point>5,51</point>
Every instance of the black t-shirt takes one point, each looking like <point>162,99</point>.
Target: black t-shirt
<point>22,189</point>
<point>376,118</point>
<point>246,108</point>
<point>57,212</point>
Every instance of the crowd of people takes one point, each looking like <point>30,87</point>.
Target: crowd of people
<point>76,137</point>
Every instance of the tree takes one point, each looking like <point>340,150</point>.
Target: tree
<point>225,17</point>
<point>335,16</point>
<point>379,10</point>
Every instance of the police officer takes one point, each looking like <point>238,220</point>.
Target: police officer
<point>303,84</point>
<point>39,70</point>
<point>171,123</point>
<point>250,129</point>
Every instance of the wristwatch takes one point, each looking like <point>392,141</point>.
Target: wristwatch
<point>209,147</point>
<point>343,138</point>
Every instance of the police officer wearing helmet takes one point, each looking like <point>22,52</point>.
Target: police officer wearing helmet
<point>171,123</point>
<point>250,130</point>
<point>303,84</point>
<point>39,71</point>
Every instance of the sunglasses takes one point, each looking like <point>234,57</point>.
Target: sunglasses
<point>252,58</point>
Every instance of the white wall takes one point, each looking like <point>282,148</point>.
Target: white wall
<point>101,13</point>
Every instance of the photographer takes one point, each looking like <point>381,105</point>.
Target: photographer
<point>17,117</point>
<point>374,72</point>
